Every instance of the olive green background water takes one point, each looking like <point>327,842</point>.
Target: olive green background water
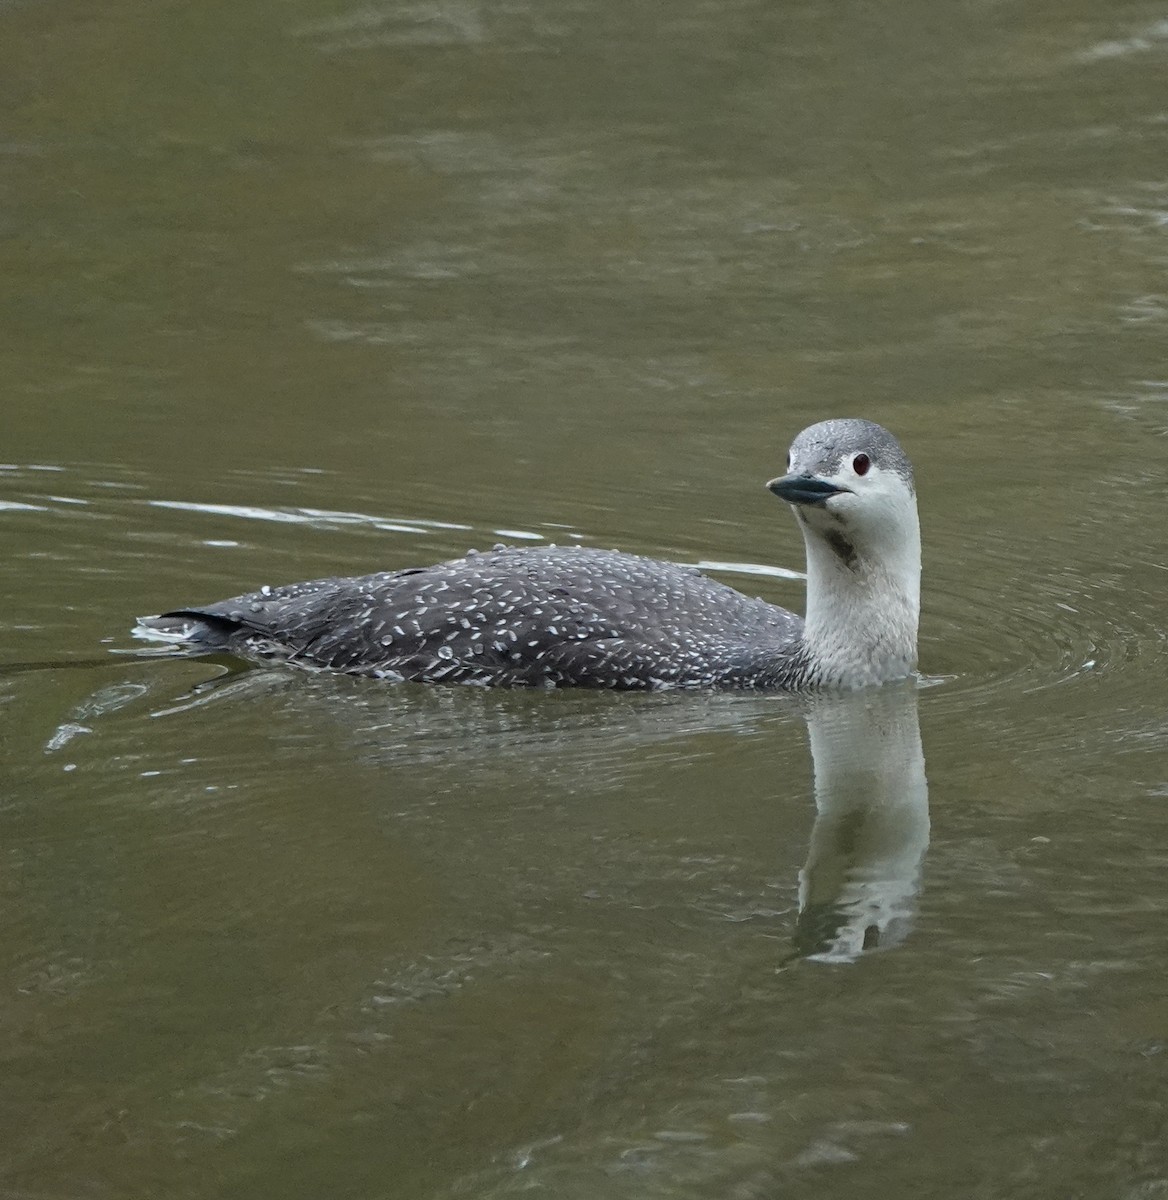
<point>304,288</point>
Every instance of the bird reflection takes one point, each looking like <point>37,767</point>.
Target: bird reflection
<point>858,888</point>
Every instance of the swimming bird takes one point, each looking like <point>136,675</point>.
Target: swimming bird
<point>578,617</point>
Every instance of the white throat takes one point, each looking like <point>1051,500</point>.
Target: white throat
<point>863,607</point>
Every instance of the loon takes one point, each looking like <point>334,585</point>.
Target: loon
<point>579,617</point>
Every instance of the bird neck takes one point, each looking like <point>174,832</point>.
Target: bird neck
<point>862,610</point>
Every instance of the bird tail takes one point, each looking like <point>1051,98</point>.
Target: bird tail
<point>193,632</point>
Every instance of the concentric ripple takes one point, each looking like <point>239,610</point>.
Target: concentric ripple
<point>1008,623</point>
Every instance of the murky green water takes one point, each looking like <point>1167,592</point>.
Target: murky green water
<point>300,289</point>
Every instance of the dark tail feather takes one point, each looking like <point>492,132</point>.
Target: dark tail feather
<point>198,632</point>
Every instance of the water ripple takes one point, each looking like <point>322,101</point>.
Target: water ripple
<point>317,518</point>
<point>1008,628</point>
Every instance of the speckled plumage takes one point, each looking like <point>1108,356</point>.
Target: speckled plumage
<point>541,617</point>
<point>571,616</point>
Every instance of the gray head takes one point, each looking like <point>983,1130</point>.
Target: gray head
<point>850,482</point>
<point>828,449</point>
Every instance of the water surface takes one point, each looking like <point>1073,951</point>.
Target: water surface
<point>304,289</point>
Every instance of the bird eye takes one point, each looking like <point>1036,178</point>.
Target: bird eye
<point>861,463</point>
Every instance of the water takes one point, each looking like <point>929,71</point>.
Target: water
<point>292,290</point>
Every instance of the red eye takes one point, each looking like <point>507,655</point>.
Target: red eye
<point>861,463</point>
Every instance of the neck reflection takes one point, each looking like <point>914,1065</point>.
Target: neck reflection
<point>858,889</point>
